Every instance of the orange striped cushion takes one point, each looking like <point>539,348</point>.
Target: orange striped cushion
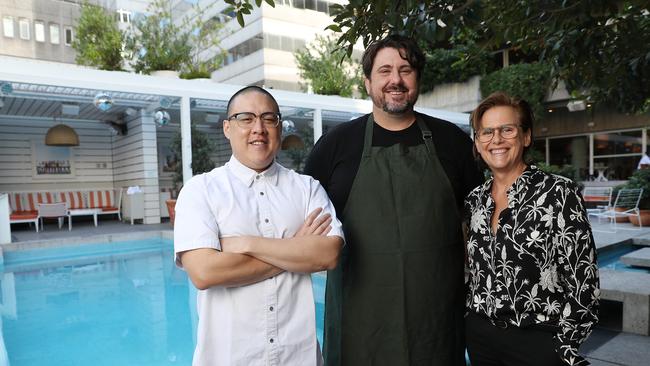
<point>16,202</point>
<point>97,199</point>
<point>74,199</point>
<point>34,198</point>
<point>23,215</point>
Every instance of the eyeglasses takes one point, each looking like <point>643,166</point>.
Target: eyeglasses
<point>505,131</point>
<point>246,119</point>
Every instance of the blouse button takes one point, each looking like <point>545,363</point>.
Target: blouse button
<point>266,220</point>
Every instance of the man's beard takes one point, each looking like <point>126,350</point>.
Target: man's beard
<point>398,108</point>
<point>395,108</point>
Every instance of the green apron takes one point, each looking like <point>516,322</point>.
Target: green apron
<point>397,295</point>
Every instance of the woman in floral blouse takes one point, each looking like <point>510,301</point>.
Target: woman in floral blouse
<point>533,279</point>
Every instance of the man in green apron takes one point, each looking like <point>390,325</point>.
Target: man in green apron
<point>397,179</point>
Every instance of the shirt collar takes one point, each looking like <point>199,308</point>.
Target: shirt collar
<point>248,175</point>
<point>518,188</point>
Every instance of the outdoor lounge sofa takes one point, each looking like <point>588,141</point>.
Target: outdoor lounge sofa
<point>24,205</point>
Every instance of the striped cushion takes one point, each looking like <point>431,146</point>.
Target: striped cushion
<point>23,215</point>
<point>32,199</point>
<point>97,199</point>
<point>74,199</point>
<point>16,202</point>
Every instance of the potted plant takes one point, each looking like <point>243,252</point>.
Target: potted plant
<point>205,35</point>
<point>639,179</point>
<point>99,40</point>
<point>160,42</point>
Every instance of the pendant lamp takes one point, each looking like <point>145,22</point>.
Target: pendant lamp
<point>61,135</point>
<point>292,142</point>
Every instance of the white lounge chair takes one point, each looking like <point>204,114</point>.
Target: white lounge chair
<point>625,205</point>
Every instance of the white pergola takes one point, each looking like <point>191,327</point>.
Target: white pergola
<point>37,86</point>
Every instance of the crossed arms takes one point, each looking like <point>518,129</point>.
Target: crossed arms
<point>249,259</point>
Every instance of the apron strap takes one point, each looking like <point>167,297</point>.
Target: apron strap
<point>370,124</point>
<point>426,135</point>
<point>367,141</point>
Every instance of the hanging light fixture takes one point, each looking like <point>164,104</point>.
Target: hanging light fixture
<point>61,135</point>
<point>161,118</point>
<point>103,101</point>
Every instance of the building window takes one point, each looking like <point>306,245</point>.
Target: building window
<point>618,153</point>
<point>323,6</point>
<point>68,36</point>
<point>310,4</point>
<point>55,36</point>
<point>572,151</point>
<point>23,27</point>
<point>8,26</point>
<point>124,16</point>
<point>39,31</point>
<point>299,4</point>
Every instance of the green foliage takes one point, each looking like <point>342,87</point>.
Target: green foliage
<point>600,48</point>
<point>160,42</point>
<point>299,156</point>
<point>244,7</point>
<point>327,69</point>
<point>202,148</point>
<point>527,81</point>
<point>567,170</point>
<point>99,41</point>
<point>639,179</point>
<point>456,64</point>
<point>195,75</point>
<point>156,42</point>
<point>204,35</point>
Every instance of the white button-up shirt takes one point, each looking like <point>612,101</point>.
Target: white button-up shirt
<point>272,322</point>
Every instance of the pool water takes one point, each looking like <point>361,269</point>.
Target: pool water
<point>101,304</point>
<point>610,258</point>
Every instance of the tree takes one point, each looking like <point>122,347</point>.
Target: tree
<point>203,35</point>
<point>99,41</point>
<point>160,42</point>
<point>156,42</point>
<point>601,48</point>
<point>202,148</point>
<point>326,68</point>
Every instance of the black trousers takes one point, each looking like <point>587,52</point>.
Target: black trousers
<point>489,345</point>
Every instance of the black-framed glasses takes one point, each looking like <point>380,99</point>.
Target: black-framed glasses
<point>509,131</point>
<point>246,119</point>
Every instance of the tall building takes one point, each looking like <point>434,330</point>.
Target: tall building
<point>44,29</point>
<point>261,53</point>
<point>39,29</point>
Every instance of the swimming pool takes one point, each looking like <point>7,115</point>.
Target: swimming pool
<point>102,304</point>
<point>610,257</point>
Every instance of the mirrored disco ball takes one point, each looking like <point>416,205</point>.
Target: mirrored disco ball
<point>6,88</point>
<point>161,118</point>
<point>103,101</point>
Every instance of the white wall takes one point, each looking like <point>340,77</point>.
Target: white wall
<point>135,159</point>
<point>92,158</point>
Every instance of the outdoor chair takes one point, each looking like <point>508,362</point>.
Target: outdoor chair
<point>597,199</point>
<point>57,211</point>
<point>625,205</point>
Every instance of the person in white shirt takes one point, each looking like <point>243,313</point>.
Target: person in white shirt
<point>249,234</point>
<point>644,163</point>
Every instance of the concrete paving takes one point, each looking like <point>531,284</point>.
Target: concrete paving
<point>638,258</point>
<point>606,346</point>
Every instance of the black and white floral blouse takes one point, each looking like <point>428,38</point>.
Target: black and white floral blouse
<point>540,265</point>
